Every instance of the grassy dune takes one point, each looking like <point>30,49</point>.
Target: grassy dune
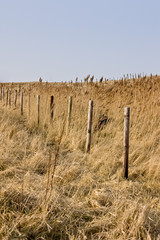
<point>51,189</point>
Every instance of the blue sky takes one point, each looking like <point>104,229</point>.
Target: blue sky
<point>65,39</point>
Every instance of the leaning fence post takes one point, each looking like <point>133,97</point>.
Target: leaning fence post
<point>51,107</point>
<point>21,102</point>
<point>15,98</point>
<point>89,127</point>
<point>38,109</point>
<point>126,140</point>
<point>69,113</point>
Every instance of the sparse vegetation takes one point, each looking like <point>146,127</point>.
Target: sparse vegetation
<point>52,189</point>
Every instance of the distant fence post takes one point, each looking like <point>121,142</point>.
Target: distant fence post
<point>1,91</point>
<point>19,88</point>
<point>15,98</point>
<point>51,107</point>
<point>7,97</point>
<point>11,86</point>
<point>28,106</point>
<point>38,109</point>
<point>29,87</point>
<point>89,127</point>
<point>21,102</point>
<point>69,113</point>
<point>126,140</point>
<point>2,94</point>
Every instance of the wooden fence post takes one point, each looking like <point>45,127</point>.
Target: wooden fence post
<point>126,140</point>
<point>38,109</point>
<point>28,106</point>
<point>51,107</point>
<point>2,94</point>
<point>7,97</point>
<point>19,88</point>
<point>15,98</point>
<point>69,113</point>
<point>11,86</point>
<point>21,102</point>
<point>29,87</point>
<point>89,127</point>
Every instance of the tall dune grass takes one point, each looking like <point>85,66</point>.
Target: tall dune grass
<point>52,189</point>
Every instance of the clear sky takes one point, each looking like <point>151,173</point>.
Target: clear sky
<point>59,40</point>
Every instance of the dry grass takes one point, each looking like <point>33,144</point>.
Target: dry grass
<point>51,189</point>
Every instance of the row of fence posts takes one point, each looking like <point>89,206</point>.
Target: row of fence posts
<point>89,124</point>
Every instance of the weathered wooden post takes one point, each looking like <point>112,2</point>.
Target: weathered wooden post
<point>51,107</point>
<point>9,96</point>
<point>69,113</point>
<point>126,140</point>
<point>29,87</point>
<point>11,86</point>
<point>1,91</point>
<point>28,106</point>
<point>21,102</point>
<point>2,94</point>
<point>19,88</point>
<point>89,127</point>
<point>15,98</point>
<point>38,109</point>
